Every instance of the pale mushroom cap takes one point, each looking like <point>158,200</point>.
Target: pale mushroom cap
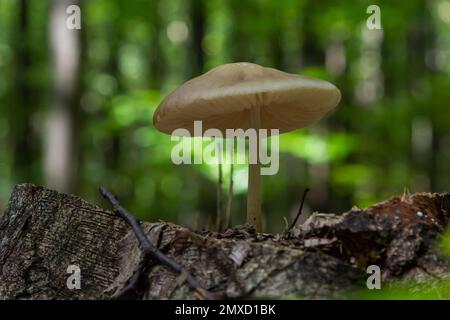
<point>223,97</point>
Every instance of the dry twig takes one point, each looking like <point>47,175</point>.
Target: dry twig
<point>148,250</point>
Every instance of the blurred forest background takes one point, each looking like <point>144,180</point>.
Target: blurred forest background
<point>76,106</point>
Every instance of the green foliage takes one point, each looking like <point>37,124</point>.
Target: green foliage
<point>429,290</point>
<point>389,132</point>
<point>445,243</point>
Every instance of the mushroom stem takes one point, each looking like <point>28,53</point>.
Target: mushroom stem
<point>254,178</point>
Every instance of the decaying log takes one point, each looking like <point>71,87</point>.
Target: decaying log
<point>43,232</point>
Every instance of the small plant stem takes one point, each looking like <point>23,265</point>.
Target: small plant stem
<point>299,210</point>
<point>230,198</point>
<point>254,177</point>
<point>219,198</point>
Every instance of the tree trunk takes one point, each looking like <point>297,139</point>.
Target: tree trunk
<point>24,103</point>
<point>43,232</point>
<point>60,151</point>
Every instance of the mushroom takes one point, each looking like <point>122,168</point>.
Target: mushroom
<point>242,96</point>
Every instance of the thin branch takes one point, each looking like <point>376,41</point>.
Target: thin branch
<point>299,210</point>
<point>149,249</point>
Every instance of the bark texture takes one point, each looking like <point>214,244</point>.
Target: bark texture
<point>43,232</point>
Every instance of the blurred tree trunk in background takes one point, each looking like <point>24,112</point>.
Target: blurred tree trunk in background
<point>60,164</point>
<point>24,147</point>
<point>239,42</point>
<point>312,56</point>
<point>197,57</point>
<point>424,137</point>
<point>312,53</point>
<point>157,61</point>
<point>197,12</point>
<point>115,144</point>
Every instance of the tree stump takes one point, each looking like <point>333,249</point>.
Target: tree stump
<point>43,232</point>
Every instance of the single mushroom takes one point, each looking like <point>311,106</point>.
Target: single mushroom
<point>242,96</point>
